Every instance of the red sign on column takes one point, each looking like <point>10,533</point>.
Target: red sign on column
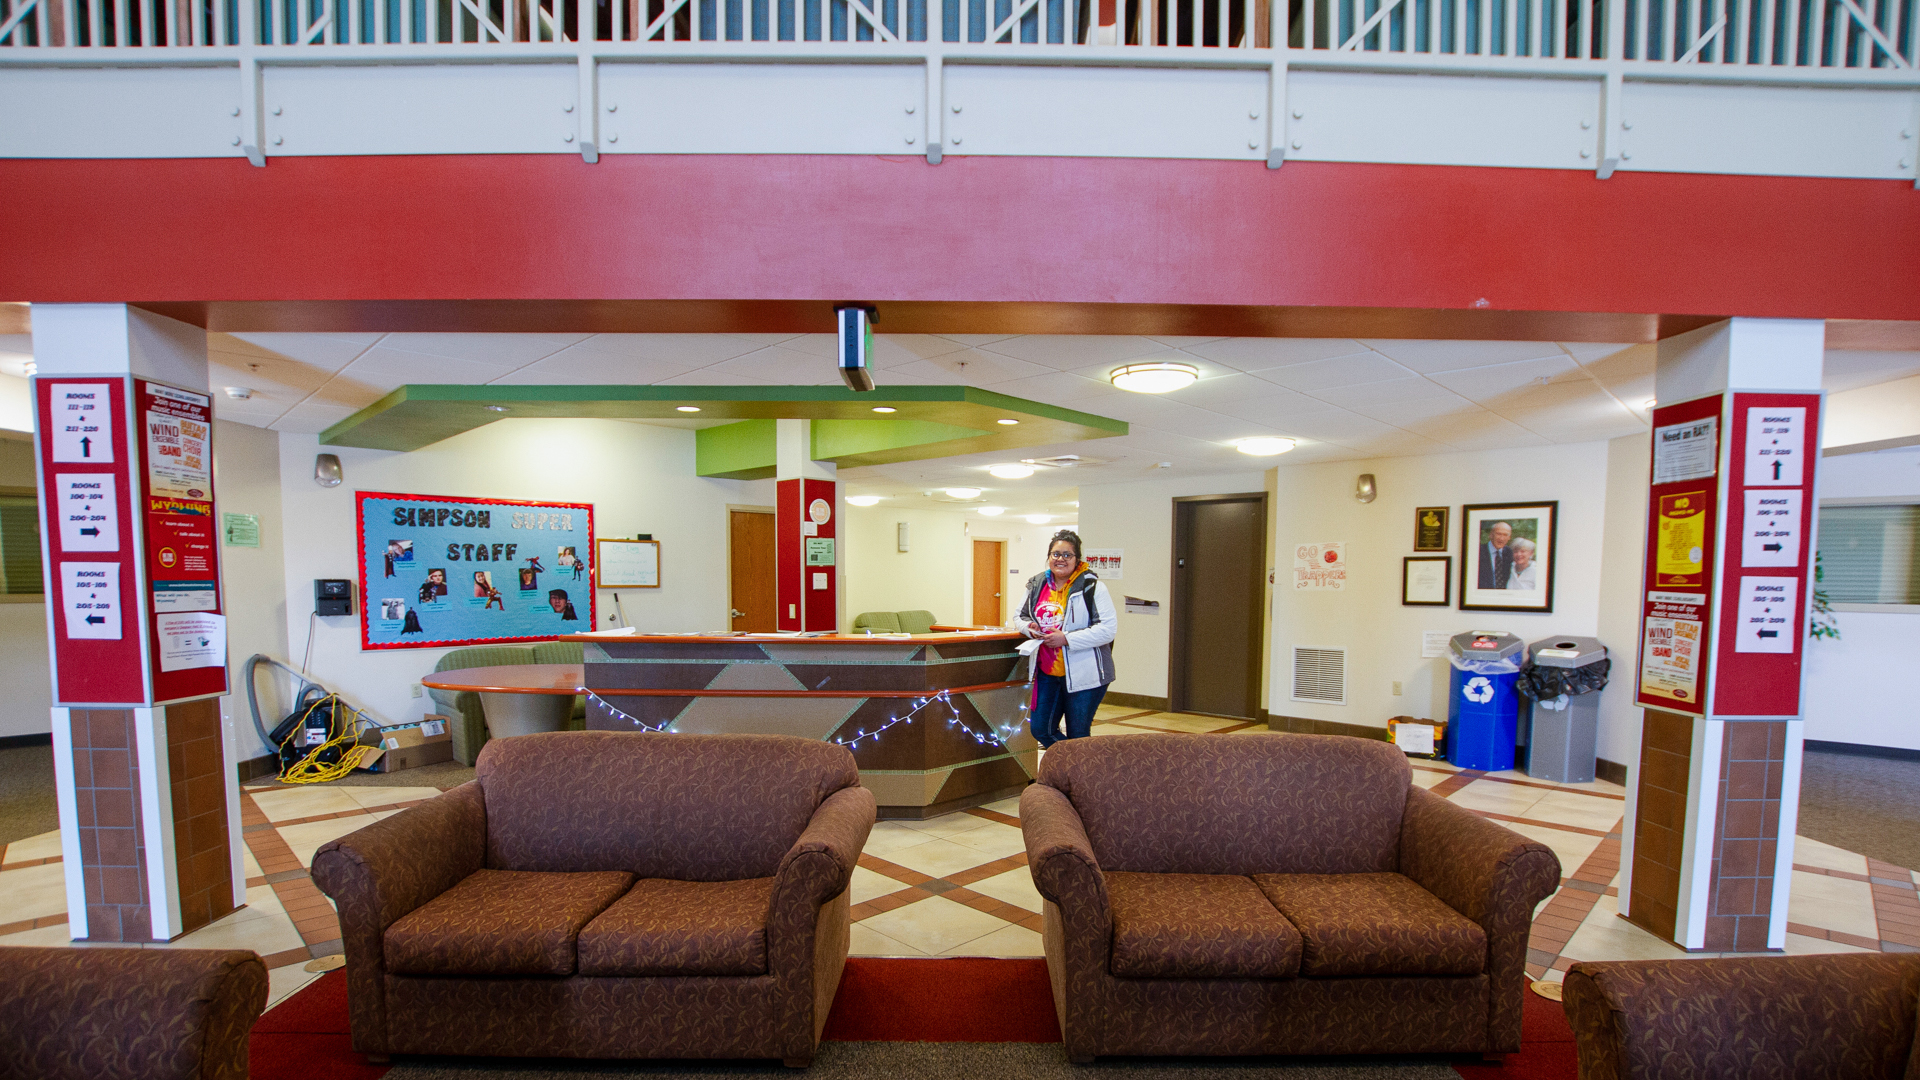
<point>187,632</point>
<point>1682,508</point>
<point>806,577</point>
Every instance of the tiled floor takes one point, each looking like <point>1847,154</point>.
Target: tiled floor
<point>958,885</point>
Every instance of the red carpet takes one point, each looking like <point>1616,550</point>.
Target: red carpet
<point>931,1000</point>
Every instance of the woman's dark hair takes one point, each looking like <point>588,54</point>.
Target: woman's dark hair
<point>1070,537</point>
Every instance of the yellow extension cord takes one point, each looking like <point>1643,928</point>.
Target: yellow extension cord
<point>310,769</point>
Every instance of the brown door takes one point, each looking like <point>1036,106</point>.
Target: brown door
<point>989,572</point>
<point>750,538</point>
<point>1219,582</point>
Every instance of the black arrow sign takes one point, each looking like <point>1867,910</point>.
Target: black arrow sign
<point>96,619</point>
<point>1769,633</point>
<point>89,532</point>
<point>1769,547</point>
<point>86,446</point>
<point>1776,470</point>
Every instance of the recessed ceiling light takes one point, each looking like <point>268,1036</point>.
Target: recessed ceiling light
<point>1039,519</point>
<point>1008,421</point>
<point>1011,472</point>
<point>498,408</point>
<point>1649,404</point>
<point>1264,447</point>
<point>963,493</point>
<point>239,393</point>
<point>884,408</point>
<point>1154,376</point>
<point>863,500</point>
<point>686,408</point>
<point>993,511</point>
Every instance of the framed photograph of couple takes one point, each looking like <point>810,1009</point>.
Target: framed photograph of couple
<point>1507,557</point>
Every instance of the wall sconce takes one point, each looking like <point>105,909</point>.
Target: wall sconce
<point>326,470</point>
<point>1364,489</point>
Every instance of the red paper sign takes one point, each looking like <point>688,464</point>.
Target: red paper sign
<point>186,630</point>
<point>1680,553</point>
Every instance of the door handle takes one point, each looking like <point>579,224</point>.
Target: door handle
<point>736,613</point>
<point>996,596</point>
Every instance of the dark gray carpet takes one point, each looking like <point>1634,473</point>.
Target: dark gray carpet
<point>941,1061</point>
<point>27,804</point>
<point>1867,805</point>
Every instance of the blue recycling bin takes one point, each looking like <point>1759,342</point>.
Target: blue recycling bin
<point>1483,711</point>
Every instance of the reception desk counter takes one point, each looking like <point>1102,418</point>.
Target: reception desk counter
<point>937,722</point>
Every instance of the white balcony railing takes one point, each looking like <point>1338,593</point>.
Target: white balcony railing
<point>1760,34</point>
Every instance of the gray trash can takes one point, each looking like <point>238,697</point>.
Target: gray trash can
<point>1563,690</point>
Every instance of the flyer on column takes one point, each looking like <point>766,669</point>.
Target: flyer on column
<point>1673,647</point>
<point>182,554</point>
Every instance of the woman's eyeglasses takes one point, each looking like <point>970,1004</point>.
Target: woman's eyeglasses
<point>1061,555</point>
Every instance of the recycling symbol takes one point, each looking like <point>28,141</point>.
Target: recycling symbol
<point>1478,690</point>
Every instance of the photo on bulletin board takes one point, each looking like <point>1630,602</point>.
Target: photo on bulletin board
<point>1507,556</point>
<point>627,564</point>
<point>1426,581</point>
<point>438,570</point>
<point>1430,528</point>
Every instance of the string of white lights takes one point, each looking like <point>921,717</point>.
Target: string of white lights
<point>993,736</point>
<point>637,722</point>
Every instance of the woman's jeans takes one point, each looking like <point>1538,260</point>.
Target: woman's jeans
<point>1051,701</point>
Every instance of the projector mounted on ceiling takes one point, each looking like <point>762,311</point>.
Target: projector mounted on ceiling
<point>855,323</point>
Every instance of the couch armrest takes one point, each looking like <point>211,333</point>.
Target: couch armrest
<point>807,916</point>
<point>819,865</point>
<point>1060,856</point>
<point>1799,1016</point>
<point>1490,874</point>
<point>380,873</point>
<point>128,1014</point>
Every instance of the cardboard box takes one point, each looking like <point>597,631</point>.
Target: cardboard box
<point>408,746</point>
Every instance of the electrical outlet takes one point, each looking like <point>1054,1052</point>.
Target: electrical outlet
<point>417,691</point>
<point>1396,688</point>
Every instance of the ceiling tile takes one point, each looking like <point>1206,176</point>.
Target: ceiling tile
<point>1339,426</point>
<point>1207,425</point>
<point>1430,356</point>
<point>1852,370</point>
<point>390,368</point>
<point>677,350</point>
<point>329,352</point>
<point>1339,371</point>
<point>1479,430</point>
<point>1488,384</point>
<point>1402,413</point>
<point>972,367</point>
<point>776,365</point>
<point>889,350</point>
<point>1060,388</point>
<point>1389,392</point>
<point>1069,352</point>
<point>1227,390</point>
<point>264,372</point>
<point>1182,342</point>
<point>1590,353</point>
<point>312,418</point>
<point>1259,354</point>
<point>577,366</point>
<point>1273,410</point>
<point>492,350</point>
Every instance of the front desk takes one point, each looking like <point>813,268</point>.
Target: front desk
<point>937,722</point>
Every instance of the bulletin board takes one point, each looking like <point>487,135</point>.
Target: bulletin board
<point>437,570</point>
<point>627,564</point>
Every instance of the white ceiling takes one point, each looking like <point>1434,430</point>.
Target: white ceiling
<point>1341,398</point>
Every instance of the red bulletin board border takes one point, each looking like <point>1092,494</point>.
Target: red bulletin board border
<point>1682,413</point>
<point>91,671</point>
<point>1763,684</point>
<point>360,568</point>
<point>186,683</point>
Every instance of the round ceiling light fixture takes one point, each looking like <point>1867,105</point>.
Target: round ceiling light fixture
<point>1007,421</point>
<point>1011,471</point>
<point>239,393</point>
<point>498,408</point>
<point>1039,519</point>
<point>1264,447</point>
<point>863,500</point>
<point>686,408</point>
<point>1154,376</point>
<point>884,409</point>
<point>993,511</point>
<point>963,493</point>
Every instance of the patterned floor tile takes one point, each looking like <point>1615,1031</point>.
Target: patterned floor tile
<point>286,804</point>
<point>1827,857</point>
<point>866,885</point>
<point>1493,796</point>
<point>866,941</point>
<point>29,892</point>
<point>1013,887</point>
<point>938,857</point>
<point>34,848</point>
<point>374,797</point>
<point>1008,941</point>
<point>306,837</point>
<point>995,841</point>
<point>934,925</point>
<point>1833,903</point>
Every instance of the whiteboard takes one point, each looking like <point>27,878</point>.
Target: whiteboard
<point>627,564</point>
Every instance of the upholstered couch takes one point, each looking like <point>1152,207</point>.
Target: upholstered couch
<point>1847,1017</point>
<point>607,894</point>
<point>469,722</point>
<point>128,1014</point>
<point>1274,894</point>
<point>895,622</point>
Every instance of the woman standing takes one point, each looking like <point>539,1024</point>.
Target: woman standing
<point>1069,615</point>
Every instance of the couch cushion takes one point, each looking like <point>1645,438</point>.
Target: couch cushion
<point>687,807</point>
<point>1198,926</point>
<point>501,922</point>
<point>667,927</point>
<point>1235,804</point>
<point>1375,924</point>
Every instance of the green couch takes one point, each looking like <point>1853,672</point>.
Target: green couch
<point>895,622</point>
<point>469,721</point>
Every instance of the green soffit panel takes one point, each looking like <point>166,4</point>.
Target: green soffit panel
<point>927,421</point>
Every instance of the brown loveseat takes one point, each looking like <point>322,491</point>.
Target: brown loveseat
<point>1778,1017</point>
<point>128,1014</point>
<point>1274,894</point>
<point>605,894</point>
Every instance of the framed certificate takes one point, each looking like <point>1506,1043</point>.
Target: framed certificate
<point>1430,528</point>
<point>1426,581</point>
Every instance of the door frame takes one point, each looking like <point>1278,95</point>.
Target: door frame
<point>973,573</point>
<point>1256,624</point>
<point>726,614</point>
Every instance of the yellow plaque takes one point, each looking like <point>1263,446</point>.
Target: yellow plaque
<point>1681,552</point>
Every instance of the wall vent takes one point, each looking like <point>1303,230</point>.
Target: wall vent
<point>1320,675</point>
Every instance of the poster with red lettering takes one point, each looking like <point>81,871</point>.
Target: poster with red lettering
<point>187,629</point>
<point>1682,508</point>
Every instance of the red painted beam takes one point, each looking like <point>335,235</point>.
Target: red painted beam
<point>993,231</point>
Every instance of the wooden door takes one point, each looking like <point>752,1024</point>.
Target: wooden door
<point>751,594</point>
<point>989,573</point>
<point>1219,587</point>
